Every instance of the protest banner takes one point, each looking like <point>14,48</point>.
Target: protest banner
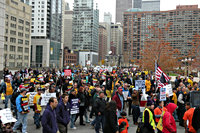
<point>140,84</point>
<point>68,72</point>
<point>162,94</point>
<point>74,106</point>
<point>46,97</point>
<point>31,96</point>
<point>169,89</point>
<point>6,116</point>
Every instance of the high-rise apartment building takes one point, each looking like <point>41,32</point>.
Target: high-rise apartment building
<point>107,17</point>
<point>116,39</point>
<point>121,7</point>
<point>137,4</point>
<point>85,30</point>
<point>2,29</point>
<point>102,42</point>
<point>68,19</point>
<point>185,23</point>
<point>46,33</point>
<point>150,5</point>
<point>17,34</point>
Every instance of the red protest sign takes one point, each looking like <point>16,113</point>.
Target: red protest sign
<point>68,72</point>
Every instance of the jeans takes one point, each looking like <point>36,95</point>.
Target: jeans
<point>99,123</point>
<point>93,122</point>
<point>136,113</point>
<point>37,119</point>
<point>175,115</point>
<point>73,117</point>
<point>22,118</point>
<point>7,97</point>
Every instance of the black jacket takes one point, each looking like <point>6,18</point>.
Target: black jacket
<point>110,122</point>
<point>99,105</point>
<point>196,119</point>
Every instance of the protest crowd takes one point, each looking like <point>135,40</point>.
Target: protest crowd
<point>104,98</point>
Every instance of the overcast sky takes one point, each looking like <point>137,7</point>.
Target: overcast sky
<point>109,6</point>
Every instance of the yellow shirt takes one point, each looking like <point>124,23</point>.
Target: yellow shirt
<point>190,82</point>
<point>174,98</point>
<point>36,100</point>
<point>148,85</point>
<point>9,89</point>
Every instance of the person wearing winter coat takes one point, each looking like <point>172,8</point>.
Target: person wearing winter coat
<point>110,118</point>
<point>63,114</point>
<point>119,99</point>
<point>49,123</point>
<point>168,123</point>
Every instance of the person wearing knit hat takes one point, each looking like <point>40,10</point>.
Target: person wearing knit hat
<point>148,117</point>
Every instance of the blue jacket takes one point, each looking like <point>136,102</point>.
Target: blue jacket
<point>3,87</point>
<point>48,121</point>
<point>63,113</point>
<point>18,103</point>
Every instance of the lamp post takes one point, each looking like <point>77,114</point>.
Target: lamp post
<point>187,61</point>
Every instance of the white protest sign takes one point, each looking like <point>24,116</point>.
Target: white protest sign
<point>74,106</point>
<point>169,89</point>
<point>31,96</point>
<point>46,97</point>
<point>140,84</point>
<point>162,94</point>
<point>6,116</point>
<point>110,69</point>
<point>125,94</point>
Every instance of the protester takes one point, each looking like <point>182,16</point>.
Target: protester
<point>99,106</point>
<point>135,106</point>
<point>37,102</point>
<point>49,122</point>
<point>123,123</point>
<point>188,117</point>
<point>7,88</point>
<point>63,114</point>
<point>72,96</point>
<point>22,111</point>
<point>196,119</point>
<point>168,123</point>
<point>118,98</point>
<point>110,118</point>
<point>148,118</point>
<point>181,105</point>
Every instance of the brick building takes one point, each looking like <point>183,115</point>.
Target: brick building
<point>69,58</point>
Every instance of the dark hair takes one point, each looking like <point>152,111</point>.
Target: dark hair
<point>64,95</point>
<point>111,106</point>
<point>187,103</point>
<point>51,100</point>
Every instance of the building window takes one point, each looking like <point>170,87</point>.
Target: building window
<point>20,41</point>
<point>27,29</point>
<point>20,27</point>
<point>26,50</point>
<point>7,16</point>
<point>13,18</point>
<point>13,25</point>
<point>13,40</point>
<point>39,52</point>
<point>26,42</point>
<point>20,34</point>
<point>6,38</point>
<point>12,48</point>
<point>27,23</point>
<point>21,21</point>
<point>5,47</point>
<point>12,32</point>
<point>19,57</point>
<point>25,57</point>
<point>26,35</point>
<point>20,49</point>
<point>11,64</point>
<point>19,64</point>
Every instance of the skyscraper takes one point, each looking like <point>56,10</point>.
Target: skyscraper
<point>68,18</point>
<point>2,29</point>
<point>150,5</point>
<point>137,4</point>
<point>102,42</point>
<point>121,7</point>
<point>17,34</point>
<point>46,33</point>
<point>85,31</point>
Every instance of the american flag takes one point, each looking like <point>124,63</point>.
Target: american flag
<point>161,77</point>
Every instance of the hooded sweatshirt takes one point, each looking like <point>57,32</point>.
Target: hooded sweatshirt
<point>169,124</point>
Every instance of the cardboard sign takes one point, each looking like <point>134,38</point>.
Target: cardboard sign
<point>169,90</point>
<point>31,96</point>
<point>140,84</point>
<point>6,116</point>
<point>162,94</point>
<point>46,97</point>
<point>74,106</point>
<point>68,72</point>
